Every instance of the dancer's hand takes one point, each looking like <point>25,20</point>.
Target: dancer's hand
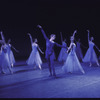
<point>67,51</point>
<point>88,31</point>
<point>39,26</point>
<point>1,32</point>
<point>28,34</point>
<point>75,31</point>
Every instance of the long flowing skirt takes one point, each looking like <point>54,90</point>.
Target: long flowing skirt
<point>79,53</point>
<point>34,58</point>
<point>11,58</point>
<point>5,62</point>
<point>62,55</point>
<point>90,56</point>
<point>72,64</point>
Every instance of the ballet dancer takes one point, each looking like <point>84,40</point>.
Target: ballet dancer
<point>62,55</point>
<point>79,50</point>
<point>90,55</point>
<point>72,63</point>
<point>34,57</point>
<point>49,53</point>
<point>10,53</point>
<point>5,62</point>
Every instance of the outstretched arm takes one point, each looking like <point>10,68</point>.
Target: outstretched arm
<point>42,32</point>
<point>61,37</point>
<point>14,48</point>
<point>60,45</point>
<point>83,45</point>
<point>97,48</point>
<point>40,50</point>
<point>2,36</point>
<point>30,38</point>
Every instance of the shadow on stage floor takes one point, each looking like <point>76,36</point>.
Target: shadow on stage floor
<point>30,82</point>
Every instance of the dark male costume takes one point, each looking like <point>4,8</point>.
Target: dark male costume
<point>49,53</point>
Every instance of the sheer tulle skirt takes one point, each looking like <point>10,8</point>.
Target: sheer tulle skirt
<point>72,64</point>
<point>34,58</point>
<point>62,55</point>
<point>90,56</point>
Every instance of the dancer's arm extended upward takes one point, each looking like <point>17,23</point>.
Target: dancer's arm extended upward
<point>2,36</point>
<point>88,35</point>
<point>74,33</point>
<point>42,32</point>
<point>30,38</point>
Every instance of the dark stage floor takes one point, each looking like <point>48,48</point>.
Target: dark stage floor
<point>27,82</point>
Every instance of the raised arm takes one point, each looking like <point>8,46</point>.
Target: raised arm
<point>74,33</point>
<point>61,37</point>
<point>2,36</point>
<point>30,38</point>
<point>88,35</point>
<point>46,38</point>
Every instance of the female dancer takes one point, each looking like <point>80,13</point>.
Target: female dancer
<point>62,55</point>
<point>90,55</point>
<point>79,50</point>
<point>5,63</point>
<point>10,53</point>
<point>34,57</point>
<point>72,63</point>
<point>50,50</point>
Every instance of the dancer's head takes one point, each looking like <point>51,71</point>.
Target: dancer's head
<point>91,38</point>
<point>52,37</point>
<point>72,39</point>
<point>35,40</point>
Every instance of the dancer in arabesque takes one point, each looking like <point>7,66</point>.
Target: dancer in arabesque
<point>72,63</point>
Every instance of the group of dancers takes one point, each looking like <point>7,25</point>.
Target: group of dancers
<point>7,59</point>
<point>71,56</point>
